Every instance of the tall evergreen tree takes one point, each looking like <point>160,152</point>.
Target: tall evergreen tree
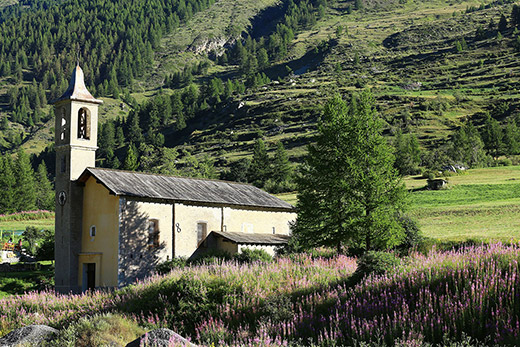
<point>493,136</point>
<point>44,191</point>
<point>25,188</point>
<point>131,161</point>
<point>8,183</point>
<point>467,147</point>
<point>281,167</point>
<point>260,168</point>
<point>407,153</point>
<point>502,24</point>
<point>511,138</point>
<point>349,192</point>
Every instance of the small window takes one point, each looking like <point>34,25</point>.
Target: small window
<point>153,233</point>
<point>201,232</point>
<point>93,231</point>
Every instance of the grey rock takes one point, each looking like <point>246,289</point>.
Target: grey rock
<point>161,338</point>
<point>30,335</point>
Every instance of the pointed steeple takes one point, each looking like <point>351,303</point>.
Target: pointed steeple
<point>77,89</point>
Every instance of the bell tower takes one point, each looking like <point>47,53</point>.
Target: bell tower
<point>75,144</point>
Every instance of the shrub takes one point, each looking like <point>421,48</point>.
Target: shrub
<point>251,255</point>
<point>504,162</point>
<point>413,236</point>
<point>169,265</point>
<point>376,262</point>
<point>213,256</point>
<point>99,330</point>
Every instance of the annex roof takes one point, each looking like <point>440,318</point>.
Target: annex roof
<point>184,189</point>
<point>77,89</point>
<point>253,239</point>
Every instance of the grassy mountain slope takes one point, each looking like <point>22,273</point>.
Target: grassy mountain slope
<point>404,52</point>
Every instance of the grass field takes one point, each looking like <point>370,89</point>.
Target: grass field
<point>481,204</point>
<point>22,224</point>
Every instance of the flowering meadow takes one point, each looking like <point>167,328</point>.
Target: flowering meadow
<point>299,300</point>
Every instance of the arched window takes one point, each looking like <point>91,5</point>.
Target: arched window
<point>63,128</point>
<point>84,123</point>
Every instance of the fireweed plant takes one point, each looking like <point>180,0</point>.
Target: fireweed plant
<point>294,301</point>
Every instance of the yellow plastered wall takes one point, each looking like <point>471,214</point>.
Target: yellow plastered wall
<point>187,217</point>
<point>257,221</point>
<point>101,210</point>
<point>162,213</point>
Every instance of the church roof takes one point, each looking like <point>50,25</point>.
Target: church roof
<point>77,89</point>
<point>253,239</point>
<point>184,189</point>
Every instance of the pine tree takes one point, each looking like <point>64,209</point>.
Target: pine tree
<point>511,138</point>
<point>135,134</point>
<point>493,136</point>
<point>25,186</point>
<point>349,193</point>
<point>131,161</point>
<point>407,153</point>
<point>502,24</point>
<point>467,147</point>
<point>281,166</point>
<point>44,191</point>
<point>260,169</point>
<point>8,183</point>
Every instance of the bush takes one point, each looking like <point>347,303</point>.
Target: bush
<point>413,237</point>
<point>100,330</point>
<point>376,262</point>
<point>251,255</point>
<point>504,162</point>
<point>213,256</point>
<point>169,265</point>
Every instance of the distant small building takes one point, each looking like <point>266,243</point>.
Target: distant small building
<point>113,227</point>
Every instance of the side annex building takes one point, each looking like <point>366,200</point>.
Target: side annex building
<point>113,227</point>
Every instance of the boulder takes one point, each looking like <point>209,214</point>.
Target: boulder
<point>30,335</point>
<point>161,338</point>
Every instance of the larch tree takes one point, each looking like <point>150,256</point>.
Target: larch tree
<point>44,191</point>
<point>350,195</point>
<point>25,188</point>
<point>8,183</point>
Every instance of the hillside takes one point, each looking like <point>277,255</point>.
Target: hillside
<point>432,66</point>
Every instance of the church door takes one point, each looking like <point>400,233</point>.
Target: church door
<point>89,276</point>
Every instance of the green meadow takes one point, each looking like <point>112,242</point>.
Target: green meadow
<point>482,204</point>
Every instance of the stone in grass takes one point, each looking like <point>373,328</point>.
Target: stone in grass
<point>30,335</point>
<point>161,338</point>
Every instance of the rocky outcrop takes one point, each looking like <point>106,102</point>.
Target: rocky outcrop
<point>161,338</point>
<point>203,44</point>
<point>30,335</point>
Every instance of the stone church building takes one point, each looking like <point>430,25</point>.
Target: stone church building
<point>113,227</point>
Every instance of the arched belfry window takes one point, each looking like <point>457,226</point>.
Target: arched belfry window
<point>84,123</point>
<point>63,128</point>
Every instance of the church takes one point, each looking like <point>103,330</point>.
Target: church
<point>113,227</point>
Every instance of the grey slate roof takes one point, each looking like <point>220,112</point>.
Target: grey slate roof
<point>184,189</point>
<point>253,239</point>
